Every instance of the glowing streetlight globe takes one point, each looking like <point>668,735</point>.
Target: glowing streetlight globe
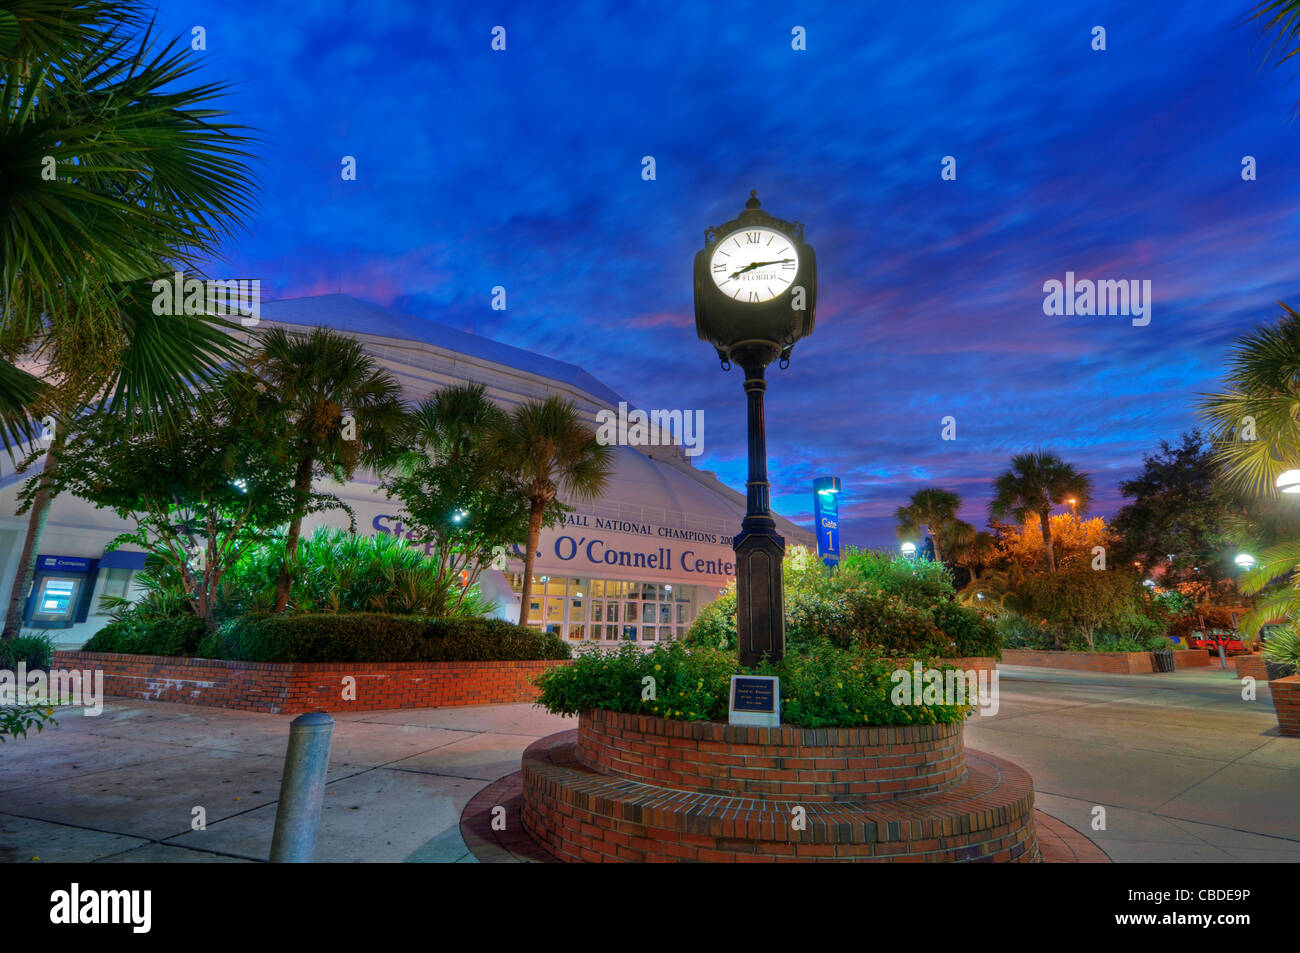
<point>1289,482</point>
<point>1244,560</point>
<point>909,550</point>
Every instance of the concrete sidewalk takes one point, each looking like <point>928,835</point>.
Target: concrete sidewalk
<point>1185,770</point>
<point>123,786</point>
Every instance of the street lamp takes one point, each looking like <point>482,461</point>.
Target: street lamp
<point>755,296</point>
<point>1073,503</point>
<point>1289,481</point>
<point>909,550</point>
<point>1244,560</point>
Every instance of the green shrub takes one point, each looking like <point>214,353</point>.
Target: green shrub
<point>377,637</point>
<point>829,688</point>
<point>690,684</point>
<point>338,571</point>
<point>149,635</point>
<point>1017,632</point>
<point>715,626</point>
<point>969,631</point>
<point>1282,650</point>
<point>36,651</point>
<point>917,582</point>
<point>826,687</point>
<point>885,625</point>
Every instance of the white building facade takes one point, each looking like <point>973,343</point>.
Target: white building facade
<point>636,565</point>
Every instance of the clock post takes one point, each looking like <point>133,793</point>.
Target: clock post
<point>755,296</point>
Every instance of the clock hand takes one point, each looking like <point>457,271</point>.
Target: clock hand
<point>759,264</point>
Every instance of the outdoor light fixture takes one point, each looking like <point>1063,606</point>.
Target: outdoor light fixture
<point>755,296</point>
<point>1289,481</point>
<point>1150,583</point>
<point>909,550</point>
<point>1244,560</point>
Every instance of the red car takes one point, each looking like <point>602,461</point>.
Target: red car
<point>1212,641</point>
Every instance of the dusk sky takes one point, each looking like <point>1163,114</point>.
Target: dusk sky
<point>523,169</point>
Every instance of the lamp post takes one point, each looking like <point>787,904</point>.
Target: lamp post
<point>755,296</point>
<point>1289,481</point>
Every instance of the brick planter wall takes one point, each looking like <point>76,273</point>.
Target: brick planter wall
<point>1193,658</point>
<point>1114,663</point>
<point>1286,701</point>
<point>967,663</point>
<point>804,764</point>
<point>1251,665</point>
<point>293,688</point>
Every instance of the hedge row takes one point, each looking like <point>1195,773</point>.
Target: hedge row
<point>335,637</point>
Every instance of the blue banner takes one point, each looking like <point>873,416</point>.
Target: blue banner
<point>826,512</point>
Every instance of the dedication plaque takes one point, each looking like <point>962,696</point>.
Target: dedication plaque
<point>755,700</point>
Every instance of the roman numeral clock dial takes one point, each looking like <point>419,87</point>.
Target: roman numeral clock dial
<point>754,265</point>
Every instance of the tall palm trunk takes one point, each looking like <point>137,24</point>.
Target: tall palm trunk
<point>1047,541</point>
<point>934,539</point>
<point>40,515</point>
<point>301,494</point>
<point>535,513</point>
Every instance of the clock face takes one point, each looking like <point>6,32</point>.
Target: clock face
<point>754,265</point>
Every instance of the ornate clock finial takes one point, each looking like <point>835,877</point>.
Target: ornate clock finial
<point>753,199</point>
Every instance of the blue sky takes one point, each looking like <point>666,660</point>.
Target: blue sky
<point>522,169</point>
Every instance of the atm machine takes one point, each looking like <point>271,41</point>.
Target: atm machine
<point>61,591</point>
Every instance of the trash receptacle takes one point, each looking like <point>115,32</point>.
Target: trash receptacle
<point>1164,660</point>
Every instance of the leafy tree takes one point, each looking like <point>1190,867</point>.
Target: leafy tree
<point>1178,509</point>
<point>1035,483</point>
<point>455,496</point>
<point>1079,600</point>
<point>1073,540</point>
<point>345,411</point>
<point>116,171</point>
<point>930,510</point>
<point>200,493</point>
<point>549,449</point>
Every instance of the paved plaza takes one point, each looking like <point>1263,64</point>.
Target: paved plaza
<point>1185,770</point>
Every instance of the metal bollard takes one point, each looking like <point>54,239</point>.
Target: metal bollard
<point>302,789</point>
<point>1223,659</point>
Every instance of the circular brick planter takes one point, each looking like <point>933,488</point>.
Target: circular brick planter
<point>635,788</point>
<point>806,764</point>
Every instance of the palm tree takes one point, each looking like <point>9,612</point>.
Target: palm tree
<point>450,481</point>
<point>116,171</point>
<point>1035,483</point>
<point>1282,19</point>
<point>548,446</point>
<point>928,510</point>
<point>974,549</point>
<point>319,379</point>
<point>1253,420</point>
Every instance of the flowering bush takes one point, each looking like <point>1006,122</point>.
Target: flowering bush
<point>877,601</point>
<point>827,687</point>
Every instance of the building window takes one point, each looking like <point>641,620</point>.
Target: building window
<point>611,610</point>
